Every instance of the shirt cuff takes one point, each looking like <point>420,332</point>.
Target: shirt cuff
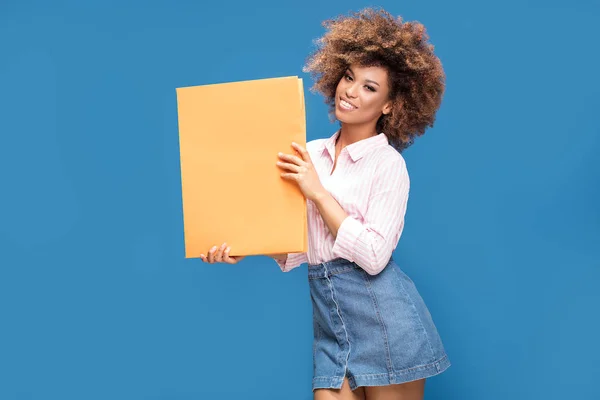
<point>292,261</point>
<point>347,236</point>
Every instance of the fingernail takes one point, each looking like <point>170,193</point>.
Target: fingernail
<point>228,248</point>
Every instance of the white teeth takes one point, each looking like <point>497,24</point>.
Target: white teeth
<point>346,105</point>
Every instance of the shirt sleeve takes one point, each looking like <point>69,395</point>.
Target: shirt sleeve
<point>292,261</point>
<point>370,243</point>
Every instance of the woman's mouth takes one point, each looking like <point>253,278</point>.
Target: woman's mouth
<point>346,105</point>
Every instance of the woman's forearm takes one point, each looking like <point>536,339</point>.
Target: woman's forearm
<point>332,213</point>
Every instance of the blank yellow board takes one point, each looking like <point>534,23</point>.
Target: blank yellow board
<point>232,191</point>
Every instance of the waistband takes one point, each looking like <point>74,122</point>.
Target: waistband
<point>332,267</point>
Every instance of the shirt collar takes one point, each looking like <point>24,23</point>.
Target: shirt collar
<point>358,149</point>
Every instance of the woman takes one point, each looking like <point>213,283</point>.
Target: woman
<point>373,335</point>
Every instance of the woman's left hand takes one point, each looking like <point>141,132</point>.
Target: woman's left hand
<point>302,171</point>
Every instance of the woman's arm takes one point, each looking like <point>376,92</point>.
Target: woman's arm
<point>370,243</point>
<point>332,213</point>
<point>286,262</point>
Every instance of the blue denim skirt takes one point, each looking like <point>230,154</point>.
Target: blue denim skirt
<point>373,329</point>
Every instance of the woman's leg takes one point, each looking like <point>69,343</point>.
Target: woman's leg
<point>345,393</point>
<point>406,391</point>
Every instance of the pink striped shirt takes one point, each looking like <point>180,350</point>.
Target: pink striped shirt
<point>371,184</point>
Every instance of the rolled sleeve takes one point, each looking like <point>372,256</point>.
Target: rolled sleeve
<point>293,260</point>
<point>347,236</point>
<point>370,243</point>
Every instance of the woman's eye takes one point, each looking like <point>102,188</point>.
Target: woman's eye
<point>371,88</point>
<point>348,77</point>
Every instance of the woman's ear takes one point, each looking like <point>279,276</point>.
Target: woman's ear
<point>387,108</point>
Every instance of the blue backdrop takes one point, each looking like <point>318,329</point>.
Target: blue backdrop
<point>503,227</point>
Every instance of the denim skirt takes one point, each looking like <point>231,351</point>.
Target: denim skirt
<point>373,329</point>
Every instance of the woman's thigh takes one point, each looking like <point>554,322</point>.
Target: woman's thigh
<point>345,393</point>
<point>405,391</point>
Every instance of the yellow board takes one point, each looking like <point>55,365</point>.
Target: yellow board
<point>232,191</point>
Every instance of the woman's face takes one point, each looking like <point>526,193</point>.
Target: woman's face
<point>362,95</point>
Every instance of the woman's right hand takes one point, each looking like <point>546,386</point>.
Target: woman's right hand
<point>221,254</point>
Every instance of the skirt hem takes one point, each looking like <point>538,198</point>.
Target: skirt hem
<point>394,378</point>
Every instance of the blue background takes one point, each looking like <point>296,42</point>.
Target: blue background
<point>502,233</point>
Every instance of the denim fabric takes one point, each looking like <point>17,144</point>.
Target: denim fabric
<point>374,329</point>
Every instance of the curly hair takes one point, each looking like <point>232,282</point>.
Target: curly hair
<point>373,37</point>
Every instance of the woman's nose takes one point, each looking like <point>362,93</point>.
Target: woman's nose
<point>351,90</point>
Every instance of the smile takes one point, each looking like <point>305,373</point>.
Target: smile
<point>346,105</point>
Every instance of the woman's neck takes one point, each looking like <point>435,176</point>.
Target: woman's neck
<point>353,133</point>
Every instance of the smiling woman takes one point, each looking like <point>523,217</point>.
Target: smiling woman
<point>374,337</point>
<point>360,98</point>
<point>413,73</point>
